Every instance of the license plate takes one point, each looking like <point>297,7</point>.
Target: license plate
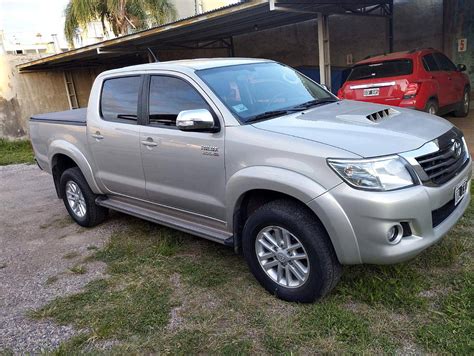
<point>371,92</point>
<point>460,191</point>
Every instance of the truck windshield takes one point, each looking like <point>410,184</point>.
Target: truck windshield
<point>381,69</point>
<point>261,91</point>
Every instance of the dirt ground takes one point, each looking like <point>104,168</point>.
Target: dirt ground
<point>466,124</point>
<point>43,255</point>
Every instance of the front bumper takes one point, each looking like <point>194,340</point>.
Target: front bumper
<point>357,221</point>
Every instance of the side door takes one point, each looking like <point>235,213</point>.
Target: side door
<point>114,137</point>
<point>183,170</point>
<point>436,73</point>
<point>453,92</point>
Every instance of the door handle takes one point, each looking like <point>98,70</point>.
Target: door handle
<point>149,142</point>
<point>97,135</point>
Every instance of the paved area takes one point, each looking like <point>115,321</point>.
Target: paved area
<point>466,124</point>
<point>39,245</point>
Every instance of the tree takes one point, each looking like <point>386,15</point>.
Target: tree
<point>123,16</point>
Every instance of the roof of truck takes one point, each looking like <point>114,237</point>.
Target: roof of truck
<point>193,64</point>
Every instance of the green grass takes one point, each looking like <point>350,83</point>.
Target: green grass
<point>18,151</point>
<point>78,269</point>
<point>172,293</point>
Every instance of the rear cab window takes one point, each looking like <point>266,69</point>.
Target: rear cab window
<point>119,99</point>
<point>384,69</point>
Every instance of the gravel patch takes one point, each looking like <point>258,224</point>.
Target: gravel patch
<point>36,233</point>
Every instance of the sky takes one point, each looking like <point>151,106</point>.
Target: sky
<point>26,17</point>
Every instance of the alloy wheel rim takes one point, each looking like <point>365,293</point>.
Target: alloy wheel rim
<point>75,199</point>
<point>282,256</point>
<point>466,102</point>
<point>432,110</point>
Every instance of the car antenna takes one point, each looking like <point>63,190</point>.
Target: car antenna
<point>152,54</point>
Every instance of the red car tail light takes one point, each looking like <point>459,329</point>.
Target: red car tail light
<point>340,93</point>
<point>411,90</point>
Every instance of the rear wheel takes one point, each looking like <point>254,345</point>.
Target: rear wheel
<point>80,200</point>
<point>432,107</point>
<point>289,252</point>
<point>464,105</point>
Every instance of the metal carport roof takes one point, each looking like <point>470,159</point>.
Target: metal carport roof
<point>215,28</point>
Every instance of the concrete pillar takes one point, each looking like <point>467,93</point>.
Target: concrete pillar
<point>324,53</point>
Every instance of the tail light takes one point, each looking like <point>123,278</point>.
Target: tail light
<point>411,90</point>
<point>340,93</point>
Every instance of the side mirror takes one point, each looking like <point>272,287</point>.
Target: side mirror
<point>461,67</point>
<point>195,120</point>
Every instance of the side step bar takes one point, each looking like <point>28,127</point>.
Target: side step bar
<point>189,227</point>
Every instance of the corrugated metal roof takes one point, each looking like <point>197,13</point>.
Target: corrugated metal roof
<point>222,23</point>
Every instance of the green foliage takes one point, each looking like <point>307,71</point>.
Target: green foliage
<point>451,328</point>
<point>396,286</point>
<point>18,151</point>
<point>123,16</point>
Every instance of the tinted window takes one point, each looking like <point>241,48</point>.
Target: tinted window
<point>382,69</point>
<point>444,62</point>
<point>169,96</point>
<point>249,90</point>
<point>429,63</point>
<point>119,99</point>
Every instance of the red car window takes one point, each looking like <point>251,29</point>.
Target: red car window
<point>382,69</point>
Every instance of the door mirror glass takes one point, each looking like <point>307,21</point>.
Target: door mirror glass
<point>461,67</point>
<point>195,120</point>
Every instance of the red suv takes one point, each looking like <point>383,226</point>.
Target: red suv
<point>419,79</point>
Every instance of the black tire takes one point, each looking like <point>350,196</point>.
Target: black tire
<point>94,214</point>
<point>462,110</point>
<point>324,267</point>
<point>432,107</point>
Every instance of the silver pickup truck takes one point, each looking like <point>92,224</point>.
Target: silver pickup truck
<point>254,155</point>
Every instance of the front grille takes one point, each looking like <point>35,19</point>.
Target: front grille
<point>440,214</point>
<point>444,164</point>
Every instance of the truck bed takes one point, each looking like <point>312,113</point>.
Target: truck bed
<point>68,117</point>
<point>60,127</point>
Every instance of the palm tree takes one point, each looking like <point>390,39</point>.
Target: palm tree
<point>123,16</point>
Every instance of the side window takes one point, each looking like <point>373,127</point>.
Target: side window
<point>169,96</point>
<point>429,63</point>
<point>444,62</point>
<point>119,99</point>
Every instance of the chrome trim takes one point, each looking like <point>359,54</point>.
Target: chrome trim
<point>430,148</point>
<point>373,85</point>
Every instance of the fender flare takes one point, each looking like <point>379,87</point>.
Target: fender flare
<point>68,149</point>
<point>270,178</point>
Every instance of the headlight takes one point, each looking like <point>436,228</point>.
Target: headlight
<point>380,174</point>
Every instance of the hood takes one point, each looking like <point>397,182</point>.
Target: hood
<point>365,129</point>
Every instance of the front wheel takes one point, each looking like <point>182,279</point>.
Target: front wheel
<point>289,252</point>
<point>80,200</point>
<point>464,105</point>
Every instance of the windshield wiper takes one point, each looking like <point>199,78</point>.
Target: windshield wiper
<point>268,115</point>
<point>314,102</point>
